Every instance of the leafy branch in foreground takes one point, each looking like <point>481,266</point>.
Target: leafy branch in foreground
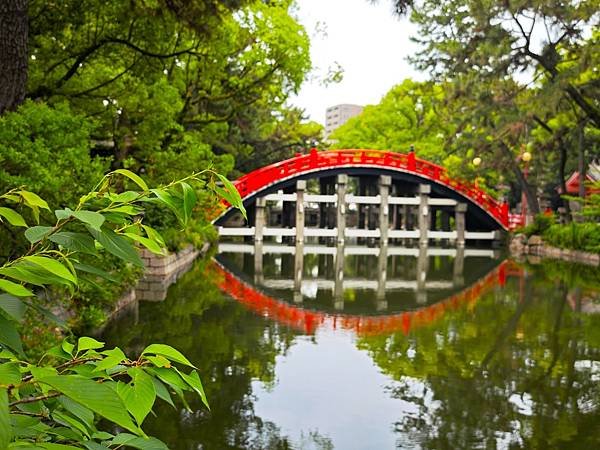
<point>56,403</point>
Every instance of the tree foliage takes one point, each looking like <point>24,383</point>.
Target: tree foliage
<point>56,404</point>
<point>158,75</point>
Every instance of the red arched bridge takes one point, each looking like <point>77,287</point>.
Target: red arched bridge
<point>363,193</point>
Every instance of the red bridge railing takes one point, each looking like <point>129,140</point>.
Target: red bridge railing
<point>259,179</point>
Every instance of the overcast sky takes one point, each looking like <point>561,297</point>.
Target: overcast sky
<point>366,40</point>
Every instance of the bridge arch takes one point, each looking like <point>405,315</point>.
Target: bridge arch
<point>487,212</point>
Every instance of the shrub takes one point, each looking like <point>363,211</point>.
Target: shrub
<point>576,236</point>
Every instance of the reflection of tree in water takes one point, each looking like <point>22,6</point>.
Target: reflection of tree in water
<point>517,369</point>
<point>231,347</point>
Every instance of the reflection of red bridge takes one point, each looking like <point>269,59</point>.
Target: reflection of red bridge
<point>308,321</point>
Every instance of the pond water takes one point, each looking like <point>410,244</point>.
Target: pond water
<point>364,349</point>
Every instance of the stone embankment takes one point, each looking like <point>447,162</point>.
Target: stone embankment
<point>535,246</point>
<point>160,272</point>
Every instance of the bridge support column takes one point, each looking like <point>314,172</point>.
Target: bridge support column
<point>380,301</point>
<point>259,219</point>
<point>298,268</point>
<point>258,263</point>
<point>422,268</point>
<point>458,278</point>
<point>424,191</point>
<point>300,188</point>
<point>338,286</point>
<point>385,181</point>
<point>459,221</point>
<point>342,183</point>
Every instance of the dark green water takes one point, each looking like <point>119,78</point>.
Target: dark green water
<point>484,354</point>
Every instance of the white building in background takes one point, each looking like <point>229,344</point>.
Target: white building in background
<point>338,115</point>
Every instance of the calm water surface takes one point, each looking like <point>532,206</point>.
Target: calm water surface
<point>406,349</point>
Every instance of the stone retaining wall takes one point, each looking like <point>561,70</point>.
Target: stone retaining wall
<point>160,272</point>
<point>521,245</point>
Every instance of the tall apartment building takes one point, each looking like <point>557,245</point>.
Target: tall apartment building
<point>338,115</point>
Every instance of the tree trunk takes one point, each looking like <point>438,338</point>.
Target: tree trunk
<point>532,202</point>
<point>581,164</point>
<point>13,53</point>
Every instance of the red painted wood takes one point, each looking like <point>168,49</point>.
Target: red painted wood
<point>259,179</point>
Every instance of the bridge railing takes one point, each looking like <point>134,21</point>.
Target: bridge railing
<point>330,159</point>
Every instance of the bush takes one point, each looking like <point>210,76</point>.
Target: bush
<point>47,150</point>
<point>577,236</point>
<point>541,223</point>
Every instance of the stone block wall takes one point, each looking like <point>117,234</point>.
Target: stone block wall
<point>534,245</point>
<point>162,271</point>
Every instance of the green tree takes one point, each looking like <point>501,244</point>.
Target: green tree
<point>411,113</point>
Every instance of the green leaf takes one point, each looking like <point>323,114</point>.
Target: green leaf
<point>62,214</point>
<point>98,397</point>
<point>86,343</point>
<point>15,289</point>
<point>92,218</point>
<point>117,245</point>
<point>230,194</point>
<point>12,306</point>
<point>5,427</point>
<point>193,379</point>
<point>138,442</point>
<point>33,274</point>
<point>189,200</point>
<point>91,445</point>
<point>159,361</point>
<point>95,271</point>
<point>71,422</point>
<point>154,235</point>
<point>133,177</point>
<point>170,201</point>
<point>77,242</point>
<point>139,397</point>
<point>113,358</point>
<point>13,217</point>
<point>168,352</point>
<point>173,380</point>
<point>10,373</point>
<point>68,347</point>
<point>84,414</point>
<point>148,243</point>
<point>51,446</point>
<point>37,233</point>
<point>162,392</point>
<point>32,199</point>
<point>52,266</point>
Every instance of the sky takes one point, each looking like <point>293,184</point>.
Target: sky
<point>366,40</point>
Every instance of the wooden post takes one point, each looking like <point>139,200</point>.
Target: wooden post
<point>385,182</point>
<point>298,268</point>
<point>380,301</point>
<point>258,263</point>
<point>424,191</point>
<point>338,287</point>
<point>460,211</point>
<point>300,188</point>
<point>458,278</point>
<point>259,220</point>
<point>342,181</point>
<point>422,268</point>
